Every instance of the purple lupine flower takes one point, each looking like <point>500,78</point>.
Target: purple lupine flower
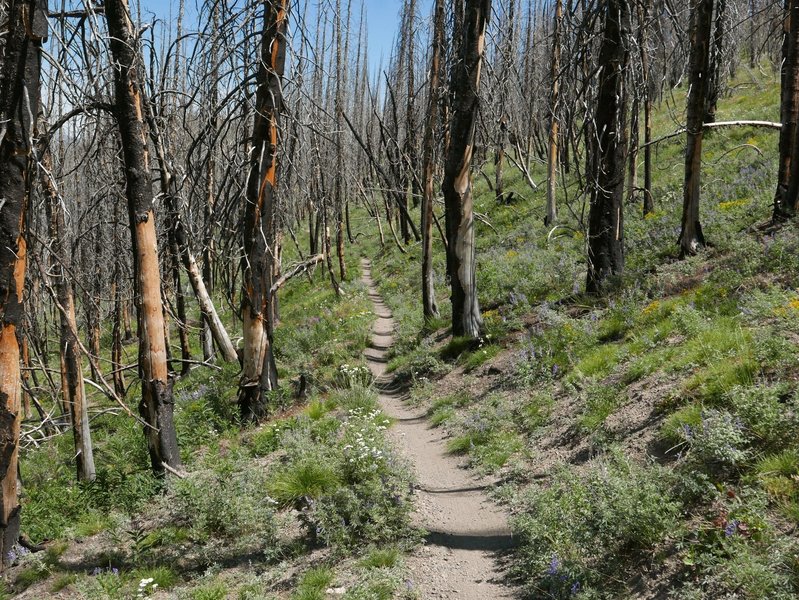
<point>554,565</point>
<point>732,528</point>
<point>575,588</point>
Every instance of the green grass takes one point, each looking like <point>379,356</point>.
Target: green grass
<point>383,558</point>
<point>304,480</point>
<point>313,584</point>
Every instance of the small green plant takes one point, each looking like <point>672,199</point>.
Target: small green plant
<point>480,356</point>
<point>383,558</point>
<point>313,584</point>
<point>229,501</point>
<point>600,402</point>
<point>305,479</point>
<point>214,590</point>
<point>352,376</point>
<point>62,581</point>
<point>719,442</point>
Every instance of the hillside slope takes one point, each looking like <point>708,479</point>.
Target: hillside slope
<point>646,441</point>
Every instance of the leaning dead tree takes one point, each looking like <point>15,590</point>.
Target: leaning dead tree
<point>25,30</point>
<point>157,405</point>
<point>457,184</point>
<point>259,371</point>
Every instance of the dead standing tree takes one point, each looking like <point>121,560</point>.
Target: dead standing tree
<point>554,123</point>
<point>156,406</point>
<point>606,216</point>
<point>73,392</point>
<point>457,184</point>
<point>19,103</point>
<point>691,237</point>
<point>259,371</point>
<point>428,292</point>
<point>788,169</point>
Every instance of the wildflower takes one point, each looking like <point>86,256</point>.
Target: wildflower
<point>575,588</point>
<point>732,528</point>
<point>554,565</point>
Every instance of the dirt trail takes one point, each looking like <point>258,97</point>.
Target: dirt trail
<point>467,532</point>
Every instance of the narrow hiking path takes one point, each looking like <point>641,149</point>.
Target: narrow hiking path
<point>467,532</point>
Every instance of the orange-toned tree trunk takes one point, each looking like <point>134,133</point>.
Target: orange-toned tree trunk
<point>19,104</point>
<point>259,373</point>
<point>156,406</point>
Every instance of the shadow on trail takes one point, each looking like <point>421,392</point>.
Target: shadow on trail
<point>485,541</point>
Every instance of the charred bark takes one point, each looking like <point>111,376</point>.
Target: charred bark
<point>554,123</point>
<point>156,406</point>
<point>691,237</point>
<point>606,214</point>
<point>784,202</point>
<point>429,306</point>
<point>457,183</point>
<point>19,103</point>
<point>259,371</point>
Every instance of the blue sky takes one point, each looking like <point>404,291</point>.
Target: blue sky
<point>383,18</point>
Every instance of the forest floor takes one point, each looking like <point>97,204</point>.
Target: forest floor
<point>467,534</point>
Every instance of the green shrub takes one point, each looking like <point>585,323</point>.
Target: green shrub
<point>229,501</point>
<point>215,590</point>
<point>267,439</point>
<point>587,528</point>
<point>719,442</point>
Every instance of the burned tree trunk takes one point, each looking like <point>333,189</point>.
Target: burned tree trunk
<point>457,184</point>
<point>72,388</point>
<point>715,76</point>
<point>259,371</point>
<point>784,204</point>
<point>429,305</point>
<point>691,237</point>
<point>606,215</point>
<point>644,11</point>
<point>156,406</point>
<point>19,104</point>
<point>554,124</point>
